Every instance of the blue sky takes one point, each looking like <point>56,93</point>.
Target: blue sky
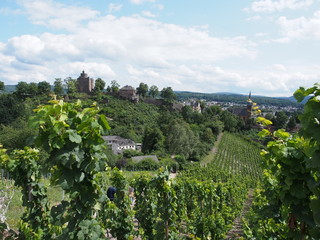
<point>268,47</point>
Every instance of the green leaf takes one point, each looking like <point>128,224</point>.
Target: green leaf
<point>74,137</point>
<point>264,133</point>
<point>104,122</point>
<point>315,206</point>
<point>300,94</point>
<point>281,134</point>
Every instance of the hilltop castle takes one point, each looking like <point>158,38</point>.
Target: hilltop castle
<point>85,84</point>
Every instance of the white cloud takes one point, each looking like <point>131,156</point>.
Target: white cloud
<point>114,7</point>
<point>57,15</point>
<point>301,27</point>
<point>148,14</point>
<point>159,6</point>
<point>254,18</point>
<point>279,5</point>
<point>26,48</point>
<point>279,67</point>
<point>135,49</point>
<point>141,1</point>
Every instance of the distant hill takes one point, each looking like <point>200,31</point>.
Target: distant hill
<point>10,88</point>
<point>237,98</point>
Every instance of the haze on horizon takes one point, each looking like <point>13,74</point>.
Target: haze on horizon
<point>268,47</point>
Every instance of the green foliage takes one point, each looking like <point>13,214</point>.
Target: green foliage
<point>128,153</point>
<point>72,137</point>
<point>1,86</point>
<point>181,140</point>
<point>71,85</point>
<point>11,108</point>
<point>311,131</point>
<point>115,86</point>
<point>153,140</point>
<point>22,90</point>
<point>230,121</point>
<point>25,170</point>
<point>280,120</point>
<point>147,164</point>
<point>44,88</point>
<point>291,123</point>
<point>129,119</point>
<point>153,91</point>
<point>58,87</point>
<point>288,205</point>
<point>119,214</point>
<point>99,85</point>
<point>238,156</point>
<point>142,90</point>
<point>16,135</point>
<point>174,209</point>
<point>168,94</point>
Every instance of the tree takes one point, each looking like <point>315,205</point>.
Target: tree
<point>71,85</point>
<point>33,89</point>
<point>292,123</point>
<point>22,89</point>
<point>1,86</point>
<point>168,94</point>
<point>99,85</point>
<point>114,86</point>
<point>44,88</point>
<point>142,90</point>
<point>213,111</point>
<point>280,120</point>
<point>181,140</point>
<point>153,140</point>
<point>269,116</point>
<point>10,108</point>
<point>153,91</point>
<point>187,114</point>
<point>58,87</point>
<point>230,121</point>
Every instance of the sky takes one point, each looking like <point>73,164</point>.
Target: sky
<point>268,47</point>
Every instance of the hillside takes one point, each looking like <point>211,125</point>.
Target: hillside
<point>236,98</point>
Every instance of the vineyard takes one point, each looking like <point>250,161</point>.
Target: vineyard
<point>200,203</point>
<point>238,156</point>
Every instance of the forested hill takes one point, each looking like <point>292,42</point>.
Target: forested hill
<point>236,98</point>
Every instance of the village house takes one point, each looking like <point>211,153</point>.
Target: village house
<point>119,144</point>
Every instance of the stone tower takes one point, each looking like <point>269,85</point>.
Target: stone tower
<point>85,84</point>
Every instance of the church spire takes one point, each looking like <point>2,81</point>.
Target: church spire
<point>250,95</point>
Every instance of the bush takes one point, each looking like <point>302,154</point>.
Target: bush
<point>147,164</point>
<point>131,153</point>
<point>170,164</point>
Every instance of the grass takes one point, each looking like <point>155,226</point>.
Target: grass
<point>15,210</point>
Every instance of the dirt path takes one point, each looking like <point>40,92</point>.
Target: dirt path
<point>214,149</point>
<point>236,231</point>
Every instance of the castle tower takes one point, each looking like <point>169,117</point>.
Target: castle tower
<point>85,84</point>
